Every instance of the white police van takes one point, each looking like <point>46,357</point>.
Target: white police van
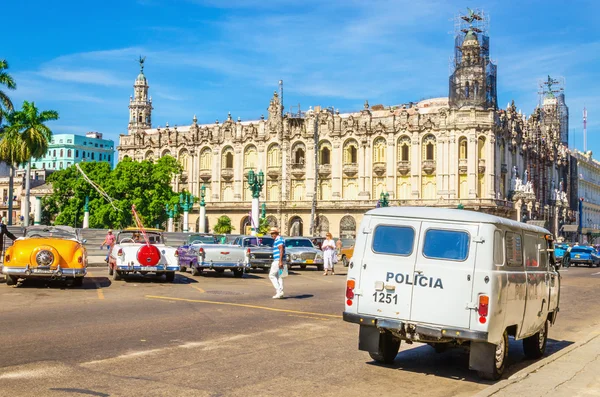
<point>450,277</point>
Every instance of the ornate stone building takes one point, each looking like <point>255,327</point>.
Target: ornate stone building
<point>460,151</point>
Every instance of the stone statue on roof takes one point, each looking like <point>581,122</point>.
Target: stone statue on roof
<point>141,61</point>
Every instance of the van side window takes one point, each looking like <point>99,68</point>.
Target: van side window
<point>531,251</point>
<point>498,248</point>
<point>446,244</point>
<point>543,246</point>
<point>514,249</point>
<point>393,240</point>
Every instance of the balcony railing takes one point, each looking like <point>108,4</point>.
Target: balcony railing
<point>324,169</point>
<point>481,167</point>
<point>298,170</point>
<point>227,173</point>
<point>205,174</point>
<point>379,168</point>
<point>462,166</point>
<point>350,169</point>
<point>428,166</point>
<point>403,167</point>
<point>274,171</point>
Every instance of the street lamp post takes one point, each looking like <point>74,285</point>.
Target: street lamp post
<point>255,184</point>
<point>171,211</point>
<point>86,213</point>
<point>186,201</point>
<point>202,209</point>
<point>383,199</point>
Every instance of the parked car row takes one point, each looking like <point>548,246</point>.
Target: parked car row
<point>57,252</point>
<point>576,255</point>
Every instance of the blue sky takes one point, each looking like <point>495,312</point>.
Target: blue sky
<point>208,57</point>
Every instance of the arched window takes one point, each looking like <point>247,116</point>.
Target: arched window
<point>251,157</point>
<point>69,153</point>
<point>325,153</point>
<point>379,147</point>
<point>184,159</point>
<point>475,89</point>
<point>299,156</point>
<point>54,153</point>
<point>274,156</point>
<point>429,147</point>
<point>404,148</point>
<point>467,90</point>
<point>351,152</point>
<point>61,152</point>
<point>227,157</point>
<point>481,147</point>
<point>462,148</point>
<point>206,159</point>
<point>140,118</point>
<point>502,152</point>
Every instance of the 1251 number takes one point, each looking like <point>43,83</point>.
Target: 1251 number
<point>383,297</point>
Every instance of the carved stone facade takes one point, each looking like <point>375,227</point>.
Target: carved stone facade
<point>430,153</point>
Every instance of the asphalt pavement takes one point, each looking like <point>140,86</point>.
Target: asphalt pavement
<point>215,335</point>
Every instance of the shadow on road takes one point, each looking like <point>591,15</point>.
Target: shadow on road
<point>151,278</point>
<point>89,283</point>
<point>454,363</point>
<point>303,296</point>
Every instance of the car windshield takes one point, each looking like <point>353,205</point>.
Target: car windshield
<point>297,242</point>
<point>50,232</point>
<point>561,246</point>
<point>136,237</point>
<point>198,238</point>
<point>258,242</point>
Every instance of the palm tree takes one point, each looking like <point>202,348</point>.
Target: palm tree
<point>6,80</point>
<point>28,137</point>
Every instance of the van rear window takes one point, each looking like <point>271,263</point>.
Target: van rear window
<point>393,240</point>
<point>446,244</point>
<point>514,249</point>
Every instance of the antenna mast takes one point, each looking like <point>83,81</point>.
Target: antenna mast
<point>584,129</point>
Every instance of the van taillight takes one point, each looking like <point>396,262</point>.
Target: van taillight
<point>176,253</point>
<point>120,253</point>
<point>248,252</point>
<point>350,284</point>
<point>484,302</point>
<point>201,252</point>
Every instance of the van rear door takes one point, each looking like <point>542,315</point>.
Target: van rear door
<point>387,265</point>
<point>443,277</point>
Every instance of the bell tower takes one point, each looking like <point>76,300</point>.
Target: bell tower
<point>473,81</point>
<point>140,106</point>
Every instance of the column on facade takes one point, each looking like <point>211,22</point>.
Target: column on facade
<point>195,181</point>
<point>238,174</point>
<point>440,161</point>
<point>492,166</point>
<point>216,175</point>
<point>391,167</point>
<point>361,168</point>
<point>472,164</point>
<point>309,178</point>
<point>284,171</point>
<point>337,161</point>
<point>452,166</point>
<point>416,166</point>
<point>369,171</point>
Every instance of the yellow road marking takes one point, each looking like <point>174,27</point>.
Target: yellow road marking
<point>313,318</point>
<point>198,288</point>
<point>98,287</point>
<point>168,298</point>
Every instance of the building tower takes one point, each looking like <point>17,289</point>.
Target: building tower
<point>140,106</point>
<point>473,78</point>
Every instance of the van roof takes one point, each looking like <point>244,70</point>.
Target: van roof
<point>436,213</point>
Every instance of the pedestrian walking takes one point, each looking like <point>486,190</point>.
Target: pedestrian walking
<point>5,232</point>
<point>109,242</point>
<point>329,254</point>
<point>277,264</point>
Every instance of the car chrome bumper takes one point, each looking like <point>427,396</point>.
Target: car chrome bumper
<point>417,332</point>
<point>221,265</point>
<point>305,262</point>
<point>28,271</point>
<point>261,263</point>
<point>150,269</point>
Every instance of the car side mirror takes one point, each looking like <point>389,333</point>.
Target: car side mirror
<point>84,241</point>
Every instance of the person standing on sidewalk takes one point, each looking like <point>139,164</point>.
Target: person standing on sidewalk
<point>277,264</point>
<point>109,241</point>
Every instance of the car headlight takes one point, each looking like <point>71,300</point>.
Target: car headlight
<point>295,257</point>
<point>319,256</point>
<point>252,256</point>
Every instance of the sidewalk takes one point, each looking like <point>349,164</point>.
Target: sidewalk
<point>573,371</point>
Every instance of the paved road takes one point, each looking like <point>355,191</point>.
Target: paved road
<point>216,335</point>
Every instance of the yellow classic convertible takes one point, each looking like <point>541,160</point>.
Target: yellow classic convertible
<point>54,252</point>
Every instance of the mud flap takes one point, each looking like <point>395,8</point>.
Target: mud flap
<point>481,356</point>
<point>368,338</point>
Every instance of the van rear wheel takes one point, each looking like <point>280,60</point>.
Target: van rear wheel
<point>535,345</point>
<point>389,346</point>
<point>499,359</point>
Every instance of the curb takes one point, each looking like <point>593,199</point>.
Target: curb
<point>525,372</point>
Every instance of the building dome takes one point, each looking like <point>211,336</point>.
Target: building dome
<point>141,78</point>
<point>470,38</point>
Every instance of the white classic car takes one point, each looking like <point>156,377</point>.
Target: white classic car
<point>132,254</point>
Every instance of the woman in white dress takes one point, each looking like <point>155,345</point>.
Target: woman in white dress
<point>329,254</point>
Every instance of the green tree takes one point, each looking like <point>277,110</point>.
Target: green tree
<point>32,136</point>
<point>145,184</point>
<point>263,226</point>
<point>223,225</point>
<point>7,81</point>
